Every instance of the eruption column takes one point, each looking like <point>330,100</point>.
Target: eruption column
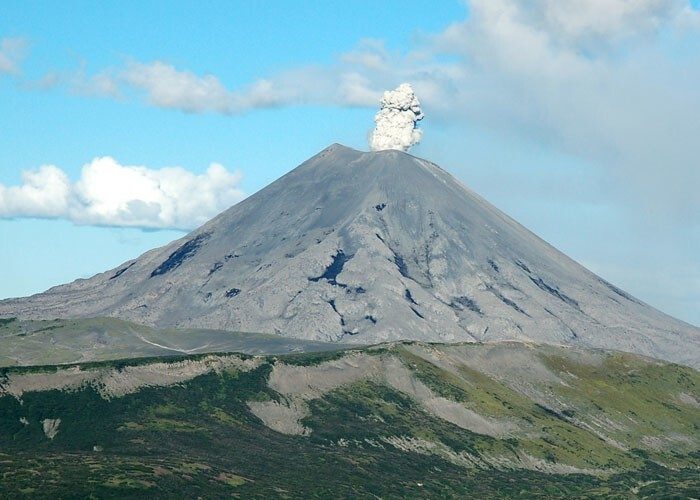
<point>396,120</point>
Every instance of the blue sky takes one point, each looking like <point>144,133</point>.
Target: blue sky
<point>577,122</point>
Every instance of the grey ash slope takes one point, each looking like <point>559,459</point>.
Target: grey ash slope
<point>368,247</point>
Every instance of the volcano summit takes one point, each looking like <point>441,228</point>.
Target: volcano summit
<point>370,247</point>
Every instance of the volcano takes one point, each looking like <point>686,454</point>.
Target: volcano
<point>370,247</point>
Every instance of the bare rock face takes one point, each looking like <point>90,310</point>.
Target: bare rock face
<point>50,426</point>
<point>369,247</point>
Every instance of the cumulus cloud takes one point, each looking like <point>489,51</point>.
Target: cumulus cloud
<point>396,120</point>
<point>12,51</point>
<point>111,194</point>
<point>45,192</point>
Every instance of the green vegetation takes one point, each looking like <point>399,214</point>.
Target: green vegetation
<point>199,438</point>
<point>313,358</point>
<point>6,321</point>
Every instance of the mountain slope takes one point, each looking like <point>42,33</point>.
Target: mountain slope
<point>367,247</point>
<point>391,421</point>
<point>53,342</point>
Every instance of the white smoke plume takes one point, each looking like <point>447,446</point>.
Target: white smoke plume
<point>396,120</point>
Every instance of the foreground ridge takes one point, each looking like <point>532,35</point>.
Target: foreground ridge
<point>503,419</point>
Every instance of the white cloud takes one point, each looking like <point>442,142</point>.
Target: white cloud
<point>169,88</point>
<point>44,192</point>
<point>601,22</point>
<point>101,84</point>
<point>370,54</point>
<point>165,86</point>
<point>12,51</point>
<point>608,81</point>
<point>111,194</point>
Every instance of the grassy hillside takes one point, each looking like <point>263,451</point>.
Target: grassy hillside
<point>398,420</point>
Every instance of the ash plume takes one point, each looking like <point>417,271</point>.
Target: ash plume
<point>396,120</point>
